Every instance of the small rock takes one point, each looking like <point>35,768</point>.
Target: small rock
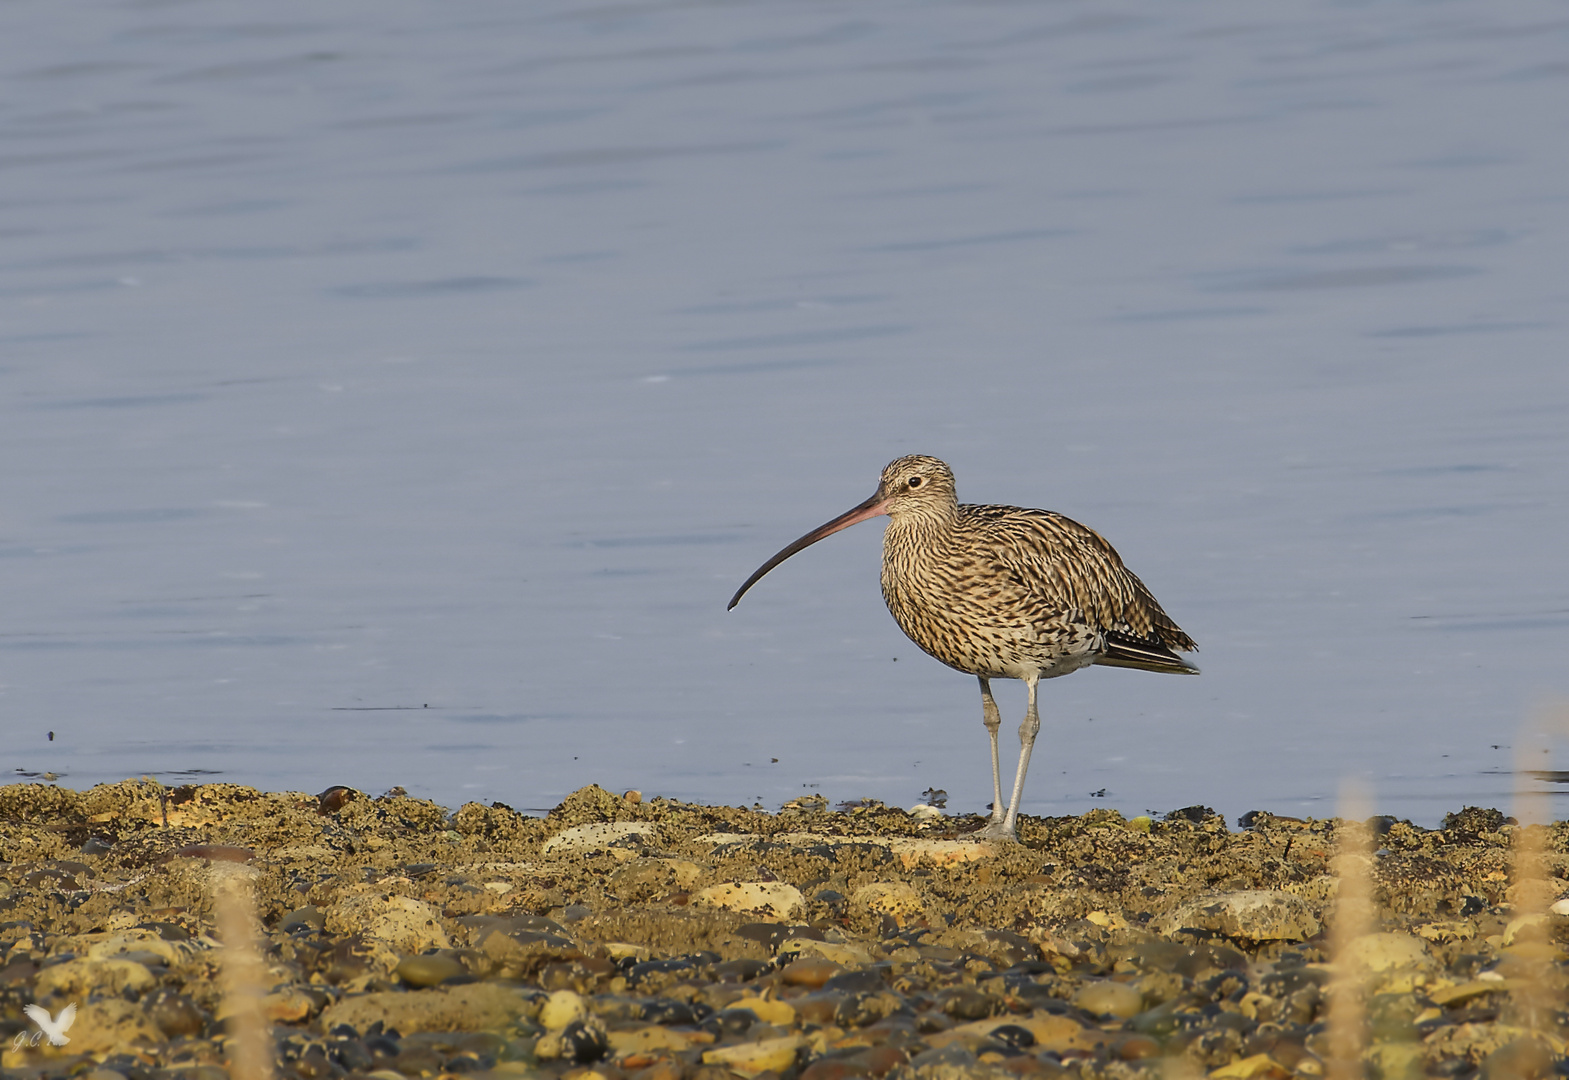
<point>175,1014</point>
<point>897,899</point>
<point>647,1040</point>
<point>810,972</point>
<point>1249,914</point>
<point>290,1006</point>
<point>308,917</point>
<point>431,969</point>
<point>1253,1068</point>
<point>581,1041</point>
<point>217,853</point>
<point>765,1055</point>
<point>111,1026</point>
<point>1107,997</point>
<point>913,852</point>
<point>643,878</point>
<point>776,900</point>
<point>561,1009</point>
<point>402,923</point>
<point>779,1013</point>
<point>598,835</point>
<point>475,1007</point>
<point>1387,952</point>
<point>78,978</point>
<point>846,955</point>
<point>1053,1032</point>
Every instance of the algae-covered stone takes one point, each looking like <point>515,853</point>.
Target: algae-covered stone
<point>77,978</point>
<point>642,878</point>
<point>476,1007</point>
<point>775,900</point>
<point>1248,915</point>
<point>598,835</point>
<point>896,899</point>
<point>112,1025</point>
<point>1386,952</point>
<point>401,923</point>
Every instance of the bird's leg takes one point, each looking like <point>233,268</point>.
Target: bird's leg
<point>1027,732</point>
<point>993,721</point>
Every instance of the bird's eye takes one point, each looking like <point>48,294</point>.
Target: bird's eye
<point>914,481</point>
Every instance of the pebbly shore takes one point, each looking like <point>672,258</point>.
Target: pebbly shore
<point>627,937</point>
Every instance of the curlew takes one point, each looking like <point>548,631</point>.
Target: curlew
<point>1002,592</point>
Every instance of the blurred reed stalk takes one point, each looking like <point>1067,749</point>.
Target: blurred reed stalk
<point>1353,918</point>
<point>244,974</point>
<point>1534,999</point>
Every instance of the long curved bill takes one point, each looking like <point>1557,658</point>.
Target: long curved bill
<point>877,504</point>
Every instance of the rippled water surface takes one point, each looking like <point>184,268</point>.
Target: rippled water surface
<point>394,393</point>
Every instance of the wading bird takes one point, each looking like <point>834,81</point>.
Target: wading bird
<point>1001,592</point>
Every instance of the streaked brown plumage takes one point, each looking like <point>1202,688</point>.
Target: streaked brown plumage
<point>1004,592</point>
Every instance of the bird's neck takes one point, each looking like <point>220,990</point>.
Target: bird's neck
<point>924,522</point>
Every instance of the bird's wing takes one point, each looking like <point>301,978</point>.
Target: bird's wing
<point>40,1016</point>
<point>1064,567</point>
<point>66,1018</point>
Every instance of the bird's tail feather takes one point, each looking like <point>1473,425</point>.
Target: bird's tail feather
<point>1146,656</point>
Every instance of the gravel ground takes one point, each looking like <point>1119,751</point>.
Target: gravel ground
<point>621,937</point>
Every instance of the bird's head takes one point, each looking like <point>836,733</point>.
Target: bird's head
<point>916,485</point>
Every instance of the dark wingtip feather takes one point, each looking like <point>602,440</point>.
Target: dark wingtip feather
<point>1130,652</point>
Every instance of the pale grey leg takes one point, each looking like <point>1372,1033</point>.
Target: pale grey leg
<point>1027,733</point>
<point>993,721</point>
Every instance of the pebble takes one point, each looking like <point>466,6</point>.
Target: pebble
<point>75,977</point>
<point>1107,997</point>
<point>476,1007</point>
<point>429,970</point>
<point>776,900</point>
<point>561,1009</point>
<point>896,899</point>
<point>1257,915</point>
<point>402,923</point>
<point>779,1013</point>
<point>597,836</point>
<point>765,1055</point>
<point>1385,952</point>
<point>812,972</point>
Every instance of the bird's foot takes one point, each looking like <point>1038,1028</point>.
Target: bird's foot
<point>998,829</point>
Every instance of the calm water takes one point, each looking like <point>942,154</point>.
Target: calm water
<point>394,393</point>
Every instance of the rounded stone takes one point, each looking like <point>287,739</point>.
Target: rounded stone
<point>896,899</point>
<point>1385,952</point>
<point>776,900</point>
<point>1247,914</point>
<point>561,1009</point>
<point>810,972</point>
<point>1107,997</point>
<point>431,969</point>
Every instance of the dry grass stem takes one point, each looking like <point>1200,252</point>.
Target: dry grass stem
<point>1529,961</point>
<point>244,974</point>
<point>1353,918</point>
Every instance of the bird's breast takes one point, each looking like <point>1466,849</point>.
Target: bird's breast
<point>969,614</point>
